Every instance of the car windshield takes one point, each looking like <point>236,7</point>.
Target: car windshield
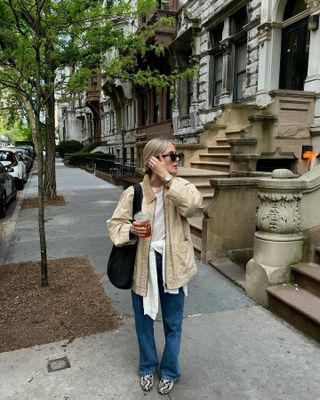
<point>6,156</point>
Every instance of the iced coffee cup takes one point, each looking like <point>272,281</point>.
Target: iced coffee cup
<point>144,219</point>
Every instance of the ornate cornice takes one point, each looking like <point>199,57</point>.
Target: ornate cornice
<point>313,5</point>
<point>265,30</point>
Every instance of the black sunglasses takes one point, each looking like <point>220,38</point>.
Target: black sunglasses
<point>173,156</point>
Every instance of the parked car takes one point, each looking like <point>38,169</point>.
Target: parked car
<point>25,157</point>
<point>29,150</point>
<point>18,169</point>
<point>8,188</point>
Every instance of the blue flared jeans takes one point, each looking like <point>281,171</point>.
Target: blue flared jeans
<point>172,315</point>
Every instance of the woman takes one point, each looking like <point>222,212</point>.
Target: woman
<point>165,260</point>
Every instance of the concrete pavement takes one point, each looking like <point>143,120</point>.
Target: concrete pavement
<point>232,349</point>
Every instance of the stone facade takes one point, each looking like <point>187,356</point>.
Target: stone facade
<point>237,92</point>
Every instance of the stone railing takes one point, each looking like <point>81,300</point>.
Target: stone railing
<point>229,220</point>
<point>310,216</point>
<point>287,214</point>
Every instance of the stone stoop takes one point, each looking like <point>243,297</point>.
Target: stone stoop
<point>212,164</point>
<point>217,157</point>
<point>299,302</point>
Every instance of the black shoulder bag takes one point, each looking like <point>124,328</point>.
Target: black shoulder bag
<point>122,259</point>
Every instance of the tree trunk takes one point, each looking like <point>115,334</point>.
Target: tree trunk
<point>32,121</point>
<point>37,110</point>
<point>50,188</point>
<point>42,233</point>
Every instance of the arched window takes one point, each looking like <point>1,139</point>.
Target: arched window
<point>294,48</point>
<point>293,8</point>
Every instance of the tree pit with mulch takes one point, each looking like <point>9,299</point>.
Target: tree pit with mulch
<point>73,305</point>
<point>32,202</point>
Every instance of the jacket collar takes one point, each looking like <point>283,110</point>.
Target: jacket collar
<point>147,190</point>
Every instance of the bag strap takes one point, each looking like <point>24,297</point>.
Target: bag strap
<point>137,198</point>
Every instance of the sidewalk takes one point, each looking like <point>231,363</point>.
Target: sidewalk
<point>232,349</point>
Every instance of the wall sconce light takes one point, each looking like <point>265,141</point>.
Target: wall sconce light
<point>313,22</point>
<point>307,152</point>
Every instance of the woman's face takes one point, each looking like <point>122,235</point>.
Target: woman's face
<point>171,166</point>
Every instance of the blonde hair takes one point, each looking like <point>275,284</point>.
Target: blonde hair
<point>154,147</point>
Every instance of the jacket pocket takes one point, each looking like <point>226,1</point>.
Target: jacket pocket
<point>183,257</point>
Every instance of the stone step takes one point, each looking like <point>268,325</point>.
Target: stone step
<point>197,175</point>
<point>307,275</point>
<point>297,306</point>
<point>222,142</point>
<point>219,149</point>
<point>201,179</point>
<point>215,157</point>
<point>215,127</point>
<point>230,270</point>
<point>233,133</point>
<point>205,188</point>
<point>215,166</point>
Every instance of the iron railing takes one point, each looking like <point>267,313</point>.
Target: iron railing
<point>111,167</point>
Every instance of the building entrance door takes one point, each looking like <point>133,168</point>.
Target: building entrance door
<point>294,55</point>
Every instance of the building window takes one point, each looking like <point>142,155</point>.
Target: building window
<point>240,74</point>
<point>190,93</point>
<point>134,109</point>
<point>111,122</point>
<point>216,36</point>
<point>295,49</point>
<point>229,58</point>
<point>293,8</point>
<point>143,110</point>
<point>216,65</point>
<point>239,44</point>
<point>217,79</point>
<point>163,4</point>
<point>170,99</point>
<point>238,21</point>
<point>184,96</point>
<point>156,105</point>
<point>128,116</point>
<point>132,155</point>
<point>185,86</point>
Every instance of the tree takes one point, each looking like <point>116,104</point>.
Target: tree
<point>34,40</point>
<point>37,37</point>
<point>23,58</point>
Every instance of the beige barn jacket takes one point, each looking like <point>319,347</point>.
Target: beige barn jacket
<point>180,203</point>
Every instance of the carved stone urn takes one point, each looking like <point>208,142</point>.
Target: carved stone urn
<point>278,240</point>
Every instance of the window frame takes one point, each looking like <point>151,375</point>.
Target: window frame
<point>143,103</point>
<point>216,35</point>
<point>215,100</point>
<point>236,73</point>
